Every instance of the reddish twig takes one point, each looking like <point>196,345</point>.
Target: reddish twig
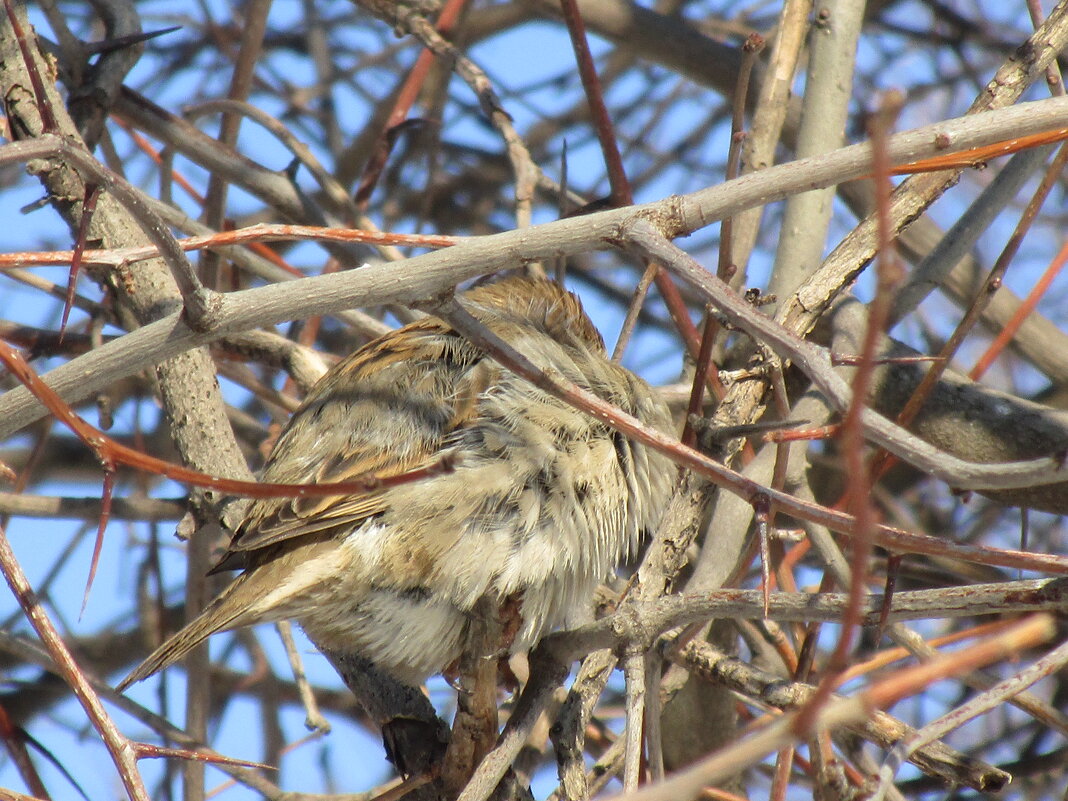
<point>44,107</point>
<point>602,120</point>
<point>153,153</point>
<point>852,433</point>
<point>1028,305</point>
<point>406,97</point>
<point>705,370</point>
<point>622,195</point>
<point>260,233</point>
<point>15,739</point>
<point>979,156</point>
<point>803,434</point>
<point>112,453</point>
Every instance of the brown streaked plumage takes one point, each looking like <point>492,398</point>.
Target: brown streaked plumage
<point>543,501</point>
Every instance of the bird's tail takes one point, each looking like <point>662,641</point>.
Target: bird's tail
<point>227,611</point>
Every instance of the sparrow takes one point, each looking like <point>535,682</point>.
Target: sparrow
<point>542,503</point>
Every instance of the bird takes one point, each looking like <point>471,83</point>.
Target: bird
<point>541,503</point>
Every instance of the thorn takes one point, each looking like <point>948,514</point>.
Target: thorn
<point>120,42</point>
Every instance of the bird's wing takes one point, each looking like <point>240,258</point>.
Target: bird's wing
<point>386,410</point>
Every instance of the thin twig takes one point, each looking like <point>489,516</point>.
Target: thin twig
<point>123,752</point>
